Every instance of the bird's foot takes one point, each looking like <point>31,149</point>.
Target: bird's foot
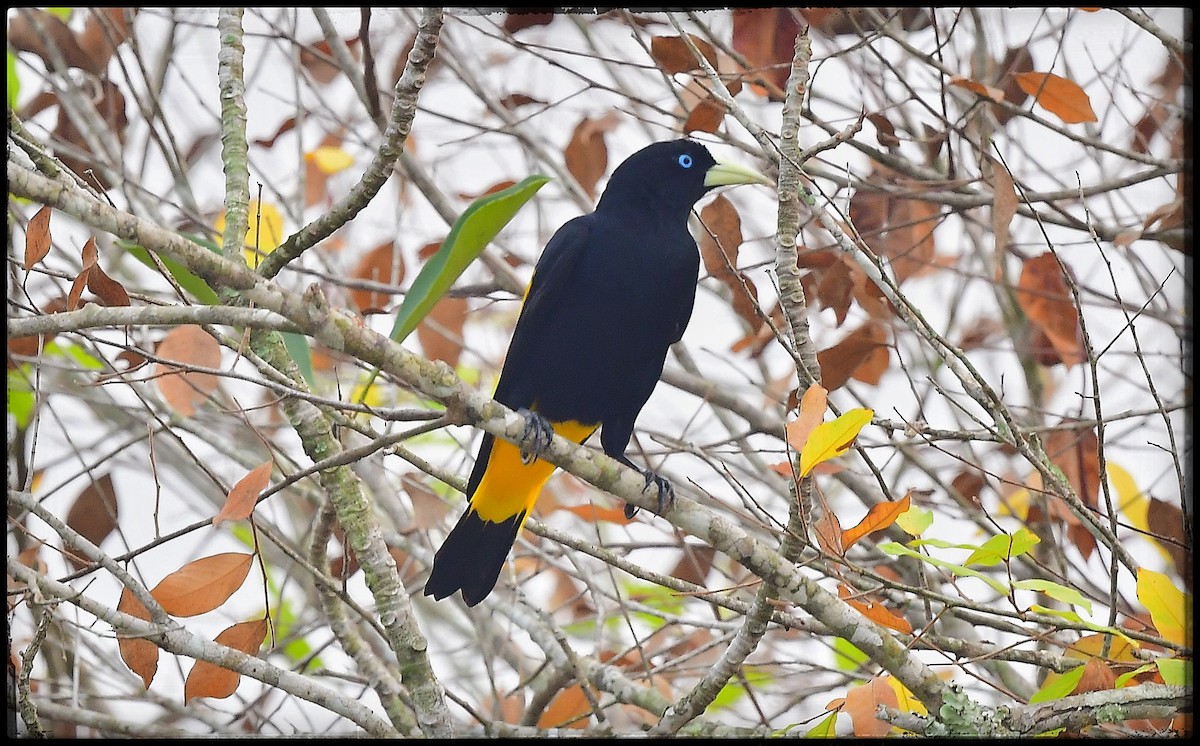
<point>536,437</point>
<point>666,493</point>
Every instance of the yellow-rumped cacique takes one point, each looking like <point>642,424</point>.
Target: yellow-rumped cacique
<point>611,292</point>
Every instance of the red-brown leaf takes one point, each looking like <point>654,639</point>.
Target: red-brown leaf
<point>586,154</point>
<point>93,514</point>
<point>673,55</point>
<point>1043,296</point>
<point>37,237</point>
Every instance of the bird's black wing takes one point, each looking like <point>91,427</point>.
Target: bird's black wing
<point>530,346</point>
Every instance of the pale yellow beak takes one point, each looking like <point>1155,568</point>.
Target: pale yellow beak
<point>728,174</point>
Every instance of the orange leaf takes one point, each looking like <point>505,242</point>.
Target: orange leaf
<point>1058,95</point>
<point>568,709</point>
<point>862,703</point>
<point>243,497</point>
<point>879,517</point>
<point>202,585</point>
<point>37,237</point>
<point>812,411</point>
<point>974,86</point>
<point>832,439</point>
<point>184,390</point>
<point>209,680</point>
<point>593,513</point>
<point>139,654</point>
<point>875,611</point>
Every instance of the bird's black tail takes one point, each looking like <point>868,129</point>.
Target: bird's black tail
<point>471,557</point>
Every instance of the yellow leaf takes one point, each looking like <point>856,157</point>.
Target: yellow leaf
<point>906,700</point>
<point>831,439</point>
<point>1134,504</point>
<point>263,235</point>
<point>329,159</point>
<point>1168,606</point>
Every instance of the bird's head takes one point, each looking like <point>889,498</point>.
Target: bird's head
<point>672,176</point>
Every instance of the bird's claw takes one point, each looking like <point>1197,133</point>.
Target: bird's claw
<point>536,437</point>
<point>666,494</point>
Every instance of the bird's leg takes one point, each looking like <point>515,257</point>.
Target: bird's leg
<point>536,437</point>
<point>666,491</point>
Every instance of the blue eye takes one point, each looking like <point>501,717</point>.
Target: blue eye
<point>685,160</point>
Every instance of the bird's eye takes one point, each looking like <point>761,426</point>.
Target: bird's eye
<point>685,160</point>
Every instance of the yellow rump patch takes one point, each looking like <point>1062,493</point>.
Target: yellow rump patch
<point>509,486</point>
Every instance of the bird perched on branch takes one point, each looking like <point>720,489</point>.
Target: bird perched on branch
<point>611,293</point>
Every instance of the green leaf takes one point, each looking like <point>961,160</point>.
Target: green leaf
<point>827,728</point>
<point>63,13</point>
<point>477,226</point>
<point>297,347</point>
<point>1071,616</point>
<point>1055,591</point>
<point>14,82</point>
<point>895,548</point>
<point>21,399</point>
<point>1175,671</point>
<point>190,282</point>
<point>1058,687</point>
<point>847,657</point>
<point>915,521</point>
<point>1003,548</point>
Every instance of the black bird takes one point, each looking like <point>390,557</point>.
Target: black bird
<point>612,291</point>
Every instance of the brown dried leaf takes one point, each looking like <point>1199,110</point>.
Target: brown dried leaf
<point>383,264</point>
<point>317,59</point>
<point>517,100</point>
<point>586,154</point>
<point>441,332</point>
<point>705,116</point>
<point>828,530</point>
<point>812,411</point>
<point>93,514</point>
<point>105,30</point>
<point>30,30</point>
<point>1058,95</point>
<point>139,654</point>
<point>1043,295</point>
<point>766,37</point>
<point>974,86</point>
<point>695,564</point>
<point>1004,204</point>
<point>719,245</point>
<point>429,510</point>
<point>674,56</point>
<point>240,501</point>
<point>969,483</point>
<point>1017,60</point>
<point>37,237</point>
<point>185,390</point>
<point>202,585</point>
<point>855,21</point>
<point>1076,451</point>
<point>885,132</point>
<point>1166,523</point>
<point>517,19</point>
<point>109,291</point>
<point>835,290</point>
<point>288,125</point>
<point>209,680</point>
<point>856,350</point>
